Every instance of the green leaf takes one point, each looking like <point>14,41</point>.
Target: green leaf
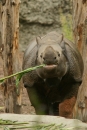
<point>18,78</point>
<point>2,80</point>
<point>20,74</point>
<point>1,108</point>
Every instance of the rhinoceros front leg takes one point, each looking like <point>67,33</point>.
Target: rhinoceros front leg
<point>37,101</point>
<point>54,109</point>
<point>66,107</point>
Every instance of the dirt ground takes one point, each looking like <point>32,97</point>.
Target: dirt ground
<point>26,105</point>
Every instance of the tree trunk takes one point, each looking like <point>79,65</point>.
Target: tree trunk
<point>11,64</point>
<point>80,35</point>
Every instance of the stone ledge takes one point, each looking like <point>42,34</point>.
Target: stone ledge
<point>41,119</point>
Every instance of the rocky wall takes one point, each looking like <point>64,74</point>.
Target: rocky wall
<point>38,17</point>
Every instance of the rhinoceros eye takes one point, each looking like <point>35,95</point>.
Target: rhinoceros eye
<point>58,54</point>
<point>41,55</point>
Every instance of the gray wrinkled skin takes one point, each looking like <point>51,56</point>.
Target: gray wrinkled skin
<point>59,79</point>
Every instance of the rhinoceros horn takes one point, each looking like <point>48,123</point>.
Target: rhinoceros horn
<point>38,40</point>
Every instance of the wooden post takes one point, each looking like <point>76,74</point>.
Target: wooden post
<point>11,62</point>
<point>80,35</point>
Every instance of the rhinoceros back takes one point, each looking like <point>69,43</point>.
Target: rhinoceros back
<point>73,56</point>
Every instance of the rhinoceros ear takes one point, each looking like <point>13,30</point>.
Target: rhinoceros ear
<point>62,37</point>
<point>62,44</point>
<point>63,48</point>
<point>38,40</point>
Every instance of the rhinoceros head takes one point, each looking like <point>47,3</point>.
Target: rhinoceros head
<point>52,54</point>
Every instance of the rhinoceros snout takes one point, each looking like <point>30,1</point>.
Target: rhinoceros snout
<point>49,56</point>
<point>50,61</point>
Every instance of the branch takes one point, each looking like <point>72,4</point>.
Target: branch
<point>20,74</point>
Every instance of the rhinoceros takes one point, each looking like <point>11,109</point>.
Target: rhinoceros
<point>53,88</point>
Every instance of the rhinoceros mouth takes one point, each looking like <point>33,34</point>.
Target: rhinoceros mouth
<point>50,67</point>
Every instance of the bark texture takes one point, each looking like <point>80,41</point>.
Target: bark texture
<point>11,64</point>
<point>80,35</point>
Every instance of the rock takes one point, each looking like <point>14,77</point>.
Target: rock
<point>38,17</point>
<point>71,124</point>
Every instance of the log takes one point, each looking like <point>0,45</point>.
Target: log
<point>80,36</point>
<point>11,61</point>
